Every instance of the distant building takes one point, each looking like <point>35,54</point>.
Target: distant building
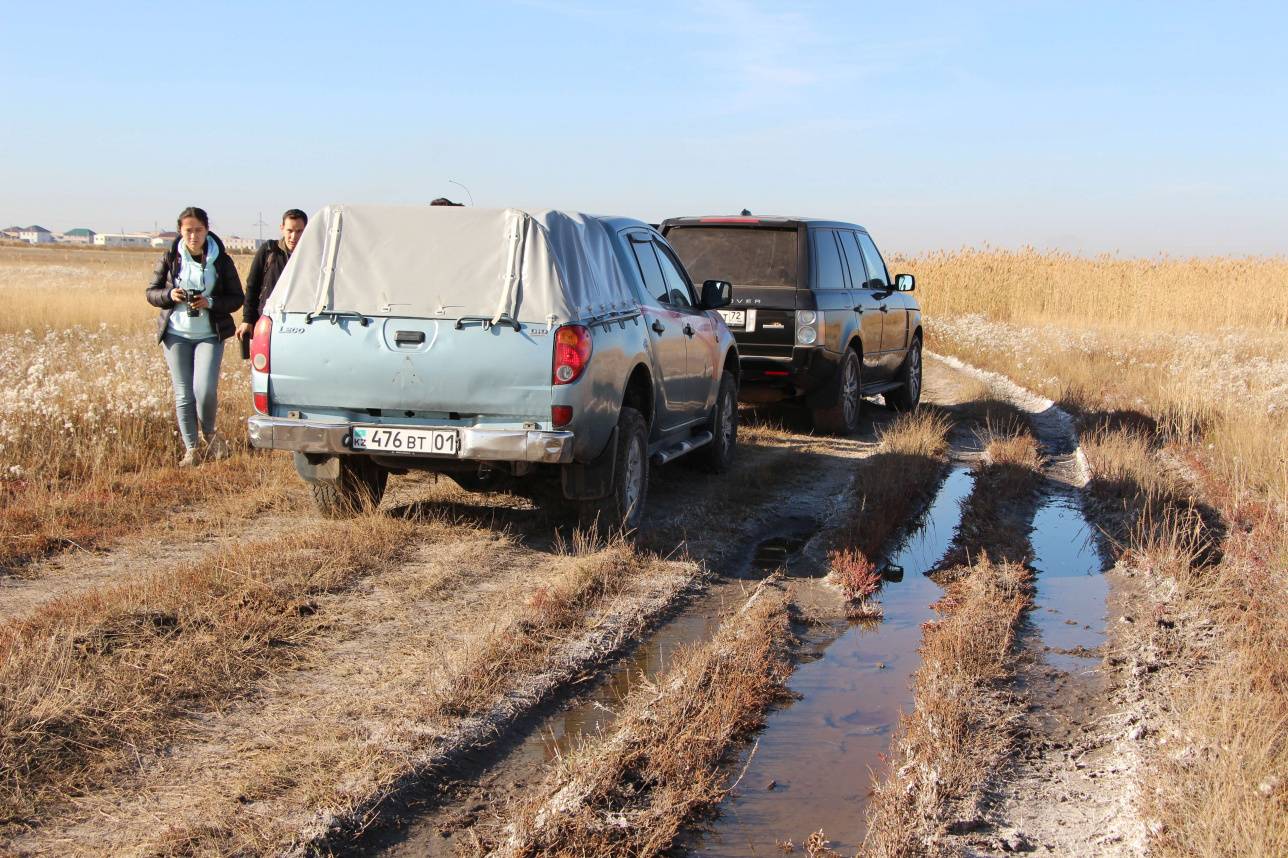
<point>36,235</point>
<point>238,244</point>
<point>164,239</point>
<point>80,235</point>
<point>122,239</point>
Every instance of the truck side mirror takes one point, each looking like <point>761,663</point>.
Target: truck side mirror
<point>716,294</point>
<point>905,282</point>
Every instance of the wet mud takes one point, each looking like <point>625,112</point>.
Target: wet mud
<point>814,762</point>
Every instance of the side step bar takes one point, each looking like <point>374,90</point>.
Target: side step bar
<point>880,387</point>
<point>661,457</point>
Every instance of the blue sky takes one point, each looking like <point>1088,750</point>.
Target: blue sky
<point>1139,128</point>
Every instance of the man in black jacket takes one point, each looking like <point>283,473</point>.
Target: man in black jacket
<point>267,266</point>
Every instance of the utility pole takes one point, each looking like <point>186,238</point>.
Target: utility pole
<point>260,224</point>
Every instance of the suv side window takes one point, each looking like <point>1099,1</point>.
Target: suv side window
<point>678,291</point>
<point>879,277</point>
<point>654,282</point>
<point>853,257</point>
<point>829,270</point>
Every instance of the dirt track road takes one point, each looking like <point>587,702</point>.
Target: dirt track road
<point>398,720</point>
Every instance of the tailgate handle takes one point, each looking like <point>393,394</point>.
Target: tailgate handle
<point>409,338</point>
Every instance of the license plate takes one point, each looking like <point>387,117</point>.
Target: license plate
<point>421,442</point>
<point>735,318</point>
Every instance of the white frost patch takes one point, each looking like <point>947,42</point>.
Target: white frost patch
<point>1054,425</point>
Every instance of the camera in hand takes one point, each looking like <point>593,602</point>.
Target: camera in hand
<point>193,294</point>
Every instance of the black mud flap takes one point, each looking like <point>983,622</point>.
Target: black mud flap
<point>314,468</point>
<point>592,480</point>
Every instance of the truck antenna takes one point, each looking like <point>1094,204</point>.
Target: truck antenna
<point>462,187</point>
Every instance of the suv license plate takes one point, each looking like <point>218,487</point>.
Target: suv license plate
<point>735,318</point>
<point>424,442</point>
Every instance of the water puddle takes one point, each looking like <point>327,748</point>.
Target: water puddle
<point>782,548</point>
<point>819,752</point>
<point>1069,607</point>
<point>595,711</point>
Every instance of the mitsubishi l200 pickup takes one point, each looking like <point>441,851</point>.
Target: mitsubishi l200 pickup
<point>495,346</point>
<point>815,312</point>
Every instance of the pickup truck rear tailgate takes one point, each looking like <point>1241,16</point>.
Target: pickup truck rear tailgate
<point>400,364</point>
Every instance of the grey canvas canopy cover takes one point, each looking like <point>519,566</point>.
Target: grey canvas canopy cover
<point>448,262</point>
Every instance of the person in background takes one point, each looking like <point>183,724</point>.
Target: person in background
<point>267,267</point>
<point>197,288</point>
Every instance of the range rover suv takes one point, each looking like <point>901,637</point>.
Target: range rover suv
<point>815,312</point>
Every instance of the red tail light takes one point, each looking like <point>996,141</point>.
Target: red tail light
<point>259,344</point>
<point>572,353</point>
<point>560,415</point>
<point>259,362</point>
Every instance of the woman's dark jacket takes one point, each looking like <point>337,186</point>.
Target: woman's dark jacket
<point>225,297</point>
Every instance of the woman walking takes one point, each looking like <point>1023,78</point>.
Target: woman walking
<point>197,288</point>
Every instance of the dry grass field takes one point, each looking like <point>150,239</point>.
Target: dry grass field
<point>118,699</point>
<point>1177,372</point>
<point>87,428</point>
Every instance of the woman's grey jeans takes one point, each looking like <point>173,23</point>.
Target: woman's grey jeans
<point>194,371</point>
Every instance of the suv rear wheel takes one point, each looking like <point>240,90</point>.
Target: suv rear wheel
<point>360,486</point>
<point>718,455</point>
<point>908,394</point>
<point>841,401</point>
<point>623,509</point>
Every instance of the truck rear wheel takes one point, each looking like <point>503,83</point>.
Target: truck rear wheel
<point>623,509</point>
<point>359,487</point>
<point>841,402</point>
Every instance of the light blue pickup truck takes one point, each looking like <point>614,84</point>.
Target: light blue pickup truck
<point>531,350</point>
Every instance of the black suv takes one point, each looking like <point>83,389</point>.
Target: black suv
<point>814,312</point>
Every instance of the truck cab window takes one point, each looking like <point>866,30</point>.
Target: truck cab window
<point>678,291</point>
<point>654,282</point>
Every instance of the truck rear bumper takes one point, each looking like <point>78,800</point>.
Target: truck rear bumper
<point>503,445</point>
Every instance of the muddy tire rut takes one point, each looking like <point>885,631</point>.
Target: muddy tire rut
<point>312,752</point>
<point>396,727</point>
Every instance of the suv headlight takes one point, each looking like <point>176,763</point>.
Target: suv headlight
<point>806,335</point>
<point>806,317</point>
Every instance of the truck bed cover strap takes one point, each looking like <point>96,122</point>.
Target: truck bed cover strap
<point>327,277</point>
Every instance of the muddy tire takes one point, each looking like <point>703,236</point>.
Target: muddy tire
<point>360,487</point>
<point>906,397</point>
<point>623,509</point>
<point>717,456</point>
<point>841,402</point>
